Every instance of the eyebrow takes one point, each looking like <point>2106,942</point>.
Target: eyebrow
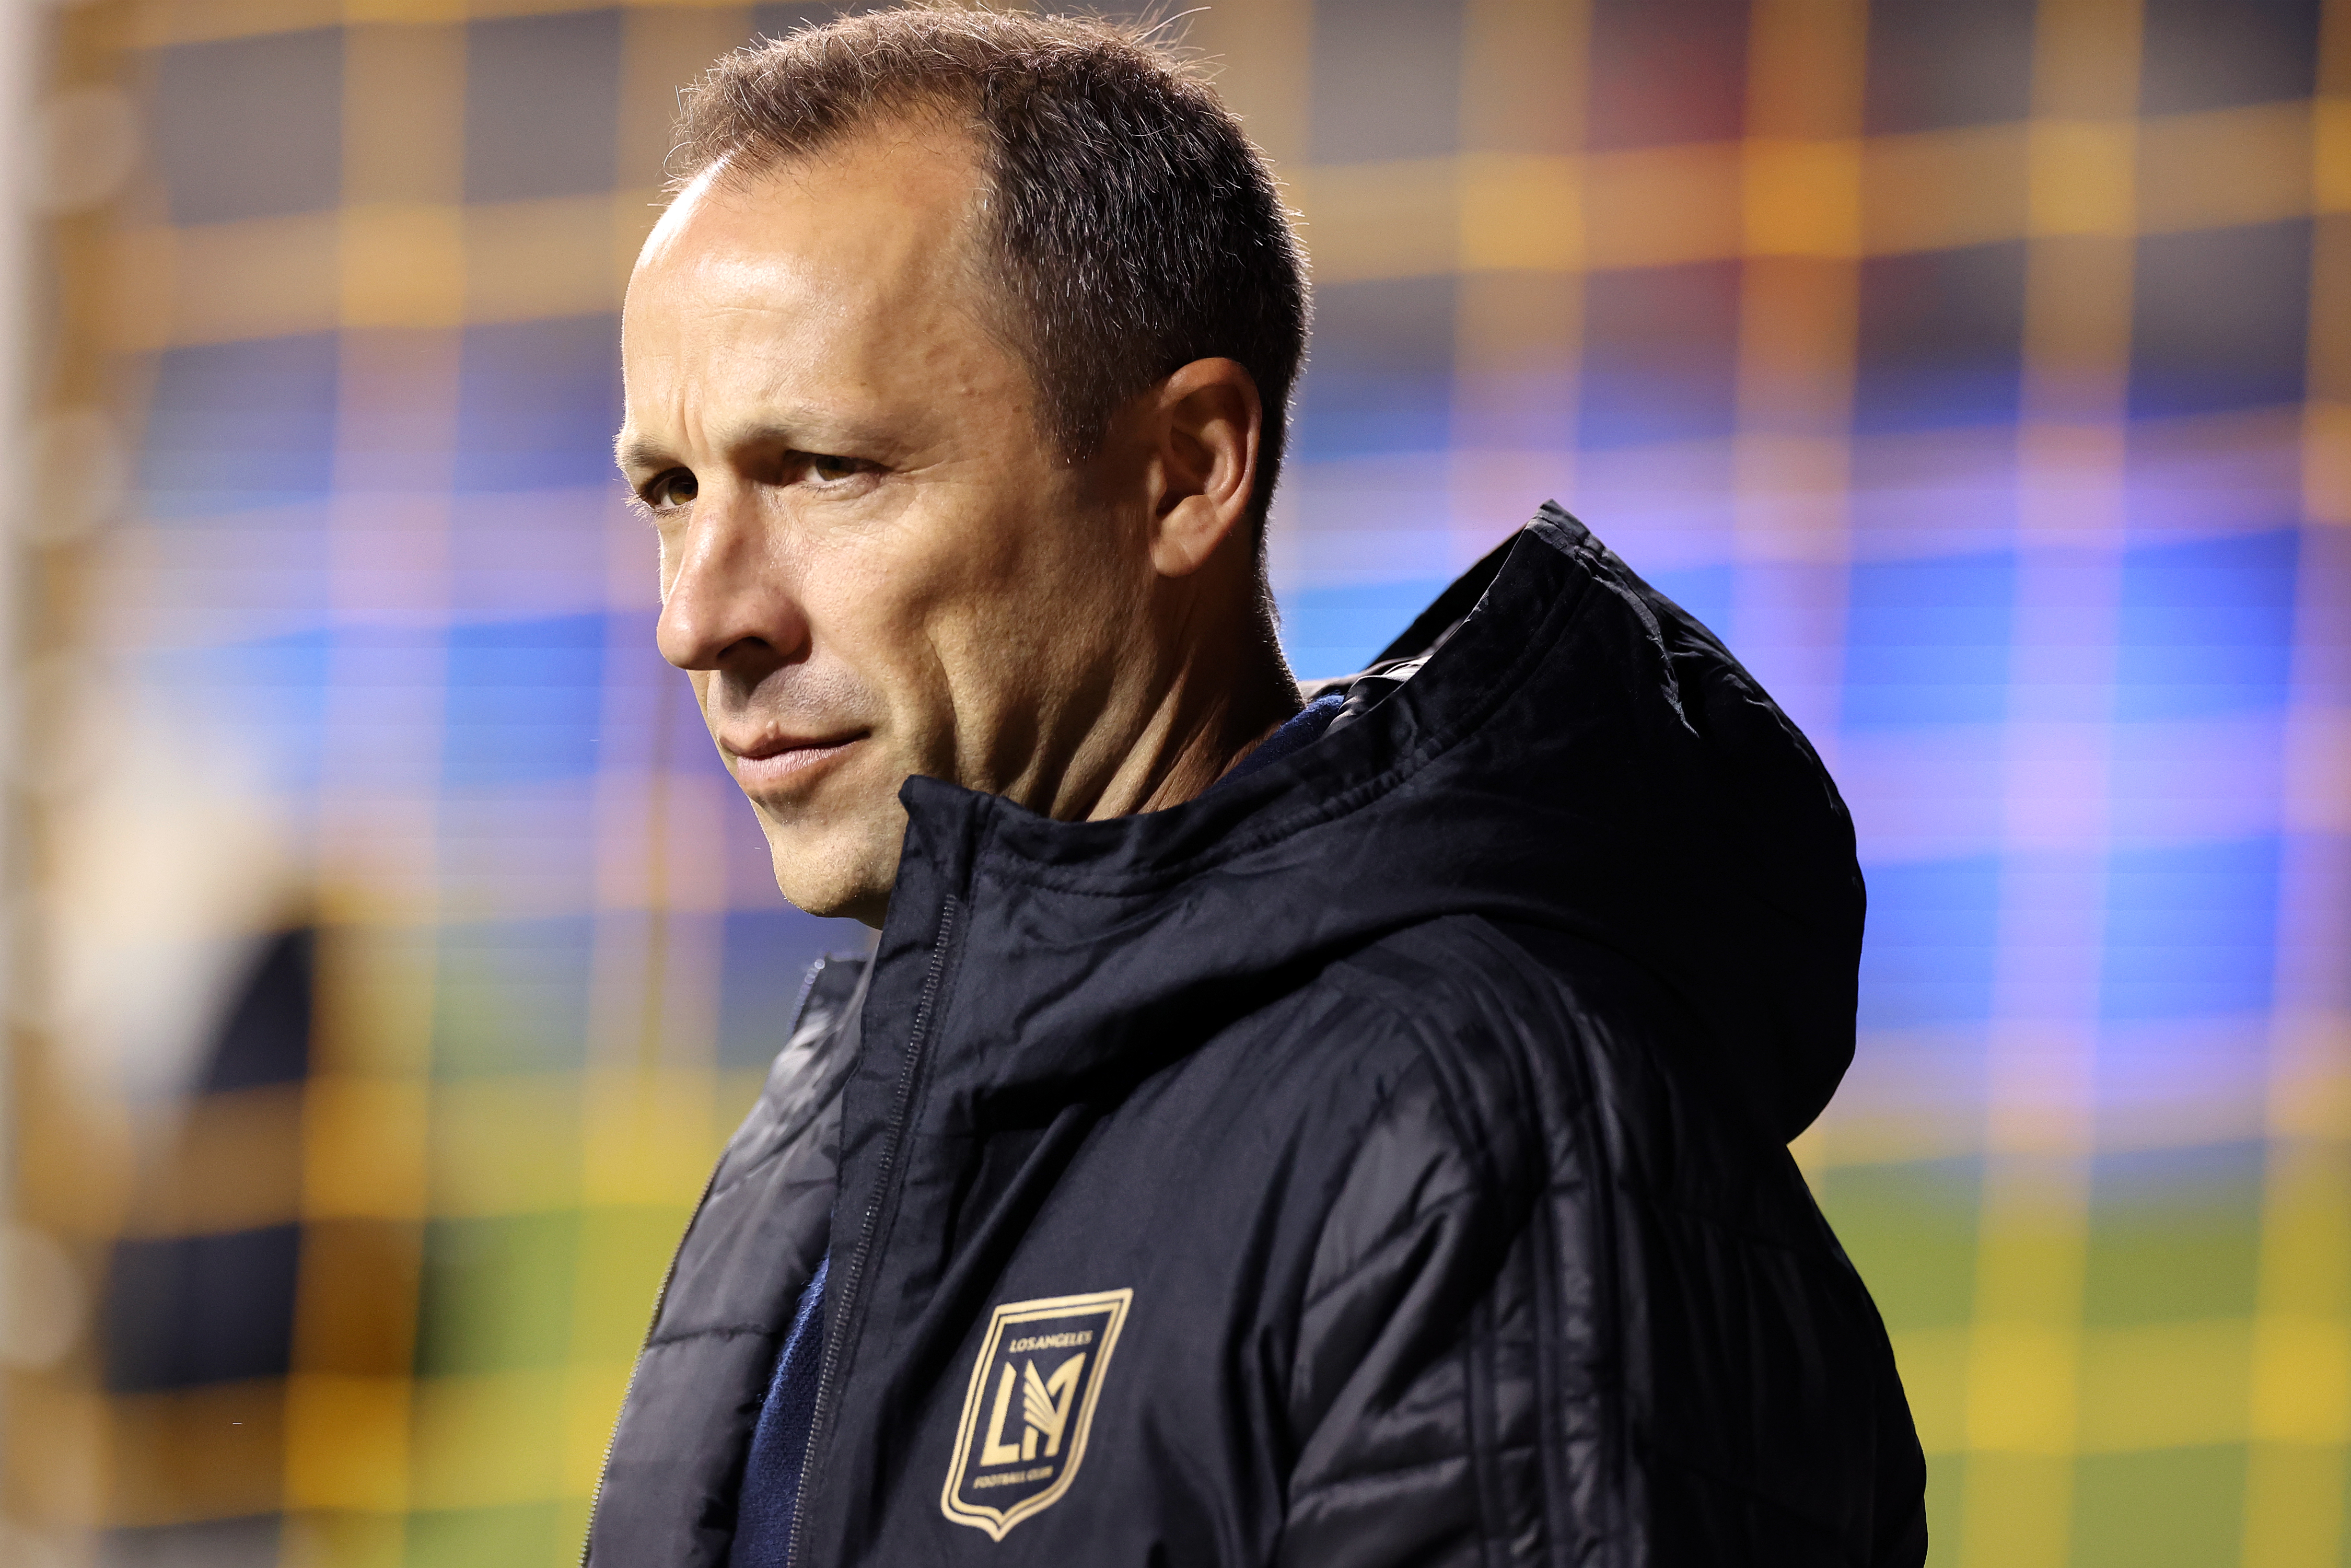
<point>638,453</point>
<point>634,454</point>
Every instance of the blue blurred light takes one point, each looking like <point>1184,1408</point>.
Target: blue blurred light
<point>1704,590</point>
<point>2190,930</point>
<point>1926,642</point>
<point>1335,631</point>
<point>2207,627</point>
<point>525,700</point>
<point>537,405</point>
<point>236,426</point>
<point>1932,940</point>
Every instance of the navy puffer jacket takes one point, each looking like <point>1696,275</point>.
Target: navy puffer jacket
<point>1378,1160</point>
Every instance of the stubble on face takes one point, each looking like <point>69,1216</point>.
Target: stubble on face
<point>875,563</point>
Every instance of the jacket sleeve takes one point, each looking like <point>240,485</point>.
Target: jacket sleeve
<point>1559,1311</point>
<point>1413,1390</point>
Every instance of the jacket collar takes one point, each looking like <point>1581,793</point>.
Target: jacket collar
<point>1570,750</point>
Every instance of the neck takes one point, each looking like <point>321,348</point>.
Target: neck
<point>1197,742</point>
<point>1222,697</point>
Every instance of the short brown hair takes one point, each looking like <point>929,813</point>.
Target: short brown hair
<point>1138,227</point>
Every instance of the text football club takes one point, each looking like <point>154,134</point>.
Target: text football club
<point>1032,1395</point>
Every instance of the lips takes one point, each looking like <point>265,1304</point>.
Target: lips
<point>777,762</point>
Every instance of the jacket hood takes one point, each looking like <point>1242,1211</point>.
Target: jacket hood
<point>1571,751</point>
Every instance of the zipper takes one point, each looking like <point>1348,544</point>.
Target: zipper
<point>661,1297</point>
<point>829,1369</point>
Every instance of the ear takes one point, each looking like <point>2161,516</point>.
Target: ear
<point>1207,421</point>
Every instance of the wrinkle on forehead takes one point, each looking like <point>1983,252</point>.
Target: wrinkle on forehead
<point>850,261</point>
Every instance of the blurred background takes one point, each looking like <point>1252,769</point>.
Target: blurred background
<point>388,955</point>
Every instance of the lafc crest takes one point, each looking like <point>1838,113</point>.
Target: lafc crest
<point>1033,1388</point>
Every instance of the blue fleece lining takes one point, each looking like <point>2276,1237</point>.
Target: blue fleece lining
<point>771,1476</point>
<point>1294,737</point>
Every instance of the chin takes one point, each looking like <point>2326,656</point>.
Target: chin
<point>833,885</point>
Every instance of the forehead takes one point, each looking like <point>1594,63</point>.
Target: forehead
<point>874,235</point>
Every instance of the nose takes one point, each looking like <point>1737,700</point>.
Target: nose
<point>727,601</point>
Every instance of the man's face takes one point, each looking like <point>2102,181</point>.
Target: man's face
<point>873,562</point>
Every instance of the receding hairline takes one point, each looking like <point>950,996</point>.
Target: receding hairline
<point>924,110</point>
<point>896,122</point>
<point>738,176</point>
<point>926,81</point>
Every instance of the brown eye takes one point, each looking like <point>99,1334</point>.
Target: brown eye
<point>675,489</point>
<point>824,465</point>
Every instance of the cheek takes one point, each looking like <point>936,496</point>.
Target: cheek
<point>915,626</point>
<point>870,612</point>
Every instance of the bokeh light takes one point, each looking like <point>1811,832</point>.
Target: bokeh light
<point>394,956</point>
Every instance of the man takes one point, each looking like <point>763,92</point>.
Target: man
<point>1346,1132</point>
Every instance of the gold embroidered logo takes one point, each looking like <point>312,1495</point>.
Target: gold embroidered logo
<point>1032,1399</point>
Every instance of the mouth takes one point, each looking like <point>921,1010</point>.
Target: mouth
<point>778,762</point>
